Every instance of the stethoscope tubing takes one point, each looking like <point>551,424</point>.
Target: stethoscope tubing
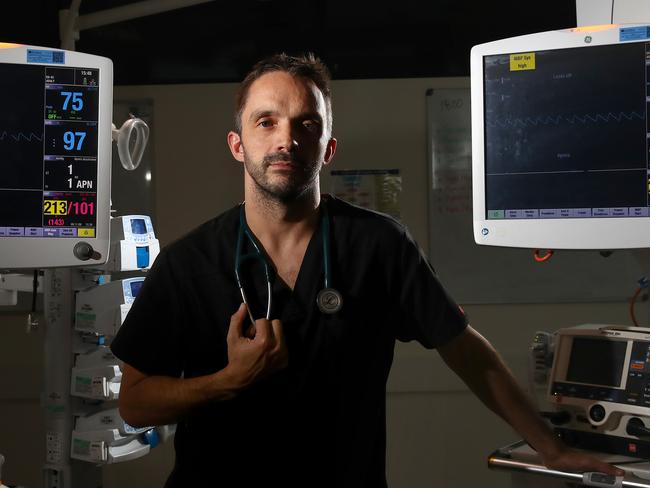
<point>329,300</point>
<point>326,246</point>
<point>239,258</point>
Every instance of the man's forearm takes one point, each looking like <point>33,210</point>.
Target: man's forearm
<point>501,393</point>
<point>484,372</point>
<point>161,400</point>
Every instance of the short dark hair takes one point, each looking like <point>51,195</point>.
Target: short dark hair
<point>306,66</point>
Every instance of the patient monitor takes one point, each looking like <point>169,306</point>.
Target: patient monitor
<point>55,150</point>
<point>560,139</point>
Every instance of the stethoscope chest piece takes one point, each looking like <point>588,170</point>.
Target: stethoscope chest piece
<point>329,300</point>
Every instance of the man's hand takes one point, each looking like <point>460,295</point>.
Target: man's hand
<point>259,352</point>
<point>570,460</point>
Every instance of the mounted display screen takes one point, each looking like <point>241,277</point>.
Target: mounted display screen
<point>566,133</point>
<point>560,139</point>
<point>49,151</point>
<point>55,153</point>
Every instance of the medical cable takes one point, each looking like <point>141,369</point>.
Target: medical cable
<point>643,284</point>
<point>326,248</point>
<point>32,320</point>
<point>239,259</point>
<point>542,258</point>
<point>130,158</point>
<point>328,300</point>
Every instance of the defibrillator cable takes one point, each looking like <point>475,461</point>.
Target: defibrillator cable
<point>643,284</point>
<point>542,258</point>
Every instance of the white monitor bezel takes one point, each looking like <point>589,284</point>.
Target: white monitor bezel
<point>587,233</point>
<point>40,252</point>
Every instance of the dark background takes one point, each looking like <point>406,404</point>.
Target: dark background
<point>219,41</point>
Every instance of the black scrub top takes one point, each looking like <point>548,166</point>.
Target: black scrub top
<point>321,421</point>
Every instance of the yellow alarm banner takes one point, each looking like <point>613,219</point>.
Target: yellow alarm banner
<point>522,61</point>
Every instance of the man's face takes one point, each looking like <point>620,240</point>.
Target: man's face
<point>284,140</point>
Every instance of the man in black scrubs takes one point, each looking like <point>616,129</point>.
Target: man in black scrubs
<point>298,398</point>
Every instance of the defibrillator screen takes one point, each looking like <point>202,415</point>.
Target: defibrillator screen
<point>596,362</point>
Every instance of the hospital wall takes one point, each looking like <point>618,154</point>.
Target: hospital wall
<point>438,433</point>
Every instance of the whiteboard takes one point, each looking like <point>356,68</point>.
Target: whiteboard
<point>484,274</point>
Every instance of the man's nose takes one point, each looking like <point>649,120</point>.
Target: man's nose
<point>286,137</point>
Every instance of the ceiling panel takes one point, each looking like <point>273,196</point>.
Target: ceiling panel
<point>219,41</point>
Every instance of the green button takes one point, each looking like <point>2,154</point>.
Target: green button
<point>496,214</point>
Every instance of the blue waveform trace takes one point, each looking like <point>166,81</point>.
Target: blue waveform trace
<point>571,119</point>
<point>17,137</point>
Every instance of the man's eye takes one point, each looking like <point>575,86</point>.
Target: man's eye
<point>310,125</point>
<point>266,123</point>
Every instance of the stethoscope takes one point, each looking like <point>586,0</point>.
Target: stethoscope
<point>329,300</point>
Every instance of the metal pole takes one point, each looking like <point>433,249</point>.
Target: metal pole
<point>60,471</point>
<point>67,19</point>
<point>58,362</point>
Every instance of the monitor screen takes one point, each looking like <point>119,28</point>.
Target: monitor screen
<point>138,226</point>
<point>135,287</point>
<point>55,155</point>
<point>607,370</point>
<point>567,138</point>
<point>560,134</point>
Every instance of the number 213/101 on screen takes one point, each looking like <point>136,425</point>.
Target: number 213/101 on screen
<point>68,212</point>
<point>65,207</point>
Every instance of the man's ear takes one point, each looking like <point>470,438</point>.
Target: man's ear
<point>236,146</point>
<point>330,150</point>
